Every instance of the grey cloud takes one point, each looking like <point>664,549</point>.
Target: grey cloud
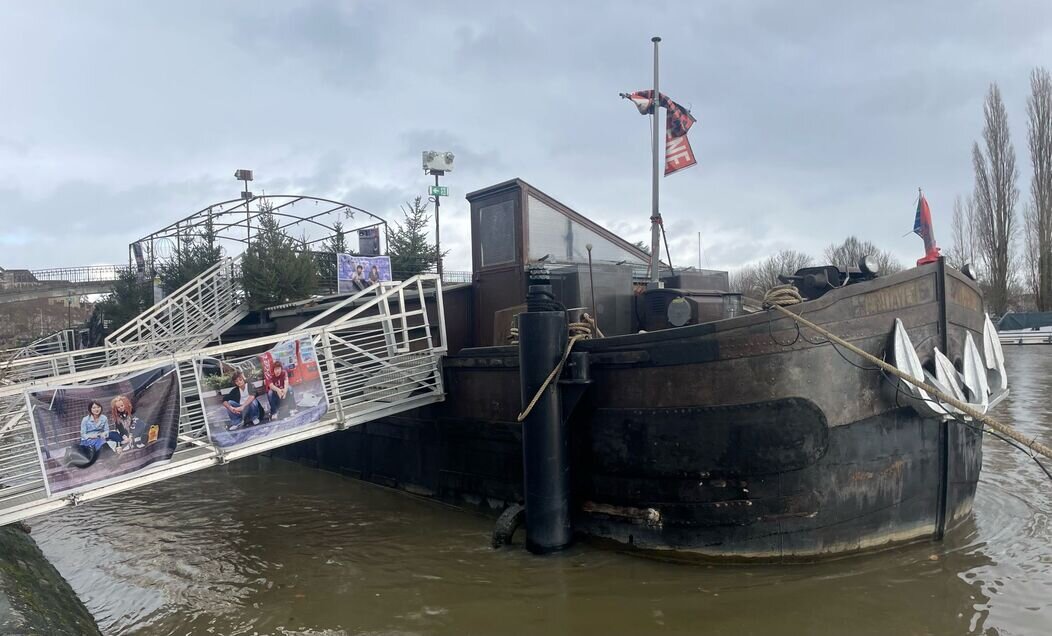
<point>814,120</point>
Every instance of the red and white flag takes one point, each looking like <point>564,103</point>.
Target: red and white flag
<point>678,153</point>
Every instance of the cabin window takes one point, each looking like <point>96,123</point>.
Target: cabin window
<point>497,233</point>
<point>563,240</point>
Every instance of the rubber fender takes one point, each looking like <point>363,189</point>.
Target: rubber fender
<point>507,523</point>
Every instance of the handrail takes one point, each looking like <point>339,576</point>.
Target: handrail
<point>221,349</point>
<point>171,299</point>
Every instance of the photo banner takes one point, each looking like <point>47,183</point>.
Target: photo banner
<point>355,273</point>
<point>88,434</point>
<point>263,396</point>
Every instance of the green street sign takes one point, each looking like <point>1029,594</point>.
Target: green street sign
<point>439,191</point>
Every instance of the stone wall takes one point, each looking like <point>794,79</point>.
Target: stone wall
<point>34,598</point>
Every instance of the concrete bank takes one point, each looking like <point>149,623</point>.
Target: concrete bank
<point>34,598</point>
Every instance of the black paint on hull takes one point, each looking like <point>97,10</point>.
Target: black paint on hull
<point>729,440</point>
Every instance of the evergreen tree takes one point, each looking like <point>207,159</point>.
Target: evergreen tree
<point>408,247</point>
<point>276,268</point>
<point>128,298</point>
<point>196,254</point>
<point>335,244</point>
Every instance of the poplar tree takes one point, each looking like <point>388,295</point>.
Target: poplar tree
<point>995,199</point>
<point>1038,214</point>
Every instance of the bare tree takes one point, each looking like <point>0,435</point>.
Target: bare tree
<point>848,253</point>
<point>754,280</point>
<point>1039,227</point>
<point>1031,254</point>
<point>995,199</point>
<point>963,250</point>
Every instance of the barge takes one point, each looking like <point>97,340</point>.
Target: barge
<point>703,430</point>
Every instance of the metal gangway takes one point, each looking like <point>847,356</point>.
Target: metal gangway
<point>380,355</point>
<point>191,317</point>
<point>59,341</point>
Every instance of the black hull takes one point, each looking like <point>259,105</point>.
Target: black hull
<point>729,440</point>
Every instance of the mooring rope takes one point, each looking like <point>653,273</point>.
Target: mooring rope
<point>1030,443</point>
<point>782,296</point>
<point>578,331</point>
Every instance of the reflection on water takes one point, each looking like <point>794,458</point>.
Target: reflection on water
<point>268,547</point>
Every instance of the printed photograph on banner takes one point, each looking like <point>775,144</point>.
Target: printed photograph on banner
<point>355,273</point>
<point>262,396</point>
<point>87,434</point>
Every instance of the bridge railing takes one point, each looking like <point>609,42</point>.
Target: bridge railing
<point>57,342</point>
<point>190,317</point>
<point>382,358</point>
<point>85,274</point>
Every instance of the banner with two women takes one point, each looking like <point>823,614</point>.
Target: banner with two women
<point>262,396</point>
<point>88,434</point>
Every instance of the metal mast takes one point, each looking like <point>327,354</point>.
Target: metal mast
<point>655,215</point>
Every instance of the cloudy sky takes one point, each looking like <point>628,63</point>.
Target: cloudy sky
<point>815,119</point>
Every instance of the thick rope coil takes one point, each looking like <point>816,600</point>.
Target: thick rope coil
<point>782,296</point>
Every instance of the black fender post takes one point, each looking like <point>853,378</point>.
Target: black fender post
<point>545,439</point>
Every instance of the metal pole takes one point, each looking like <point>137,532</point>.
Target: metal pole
<point>248,217</point>
<point>699,250</point>
<point>438,244</point>
<point>591,286</point>
<point>655,215</point>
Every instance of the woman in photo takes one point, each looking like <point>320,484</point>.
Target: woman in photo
<point>130,427</point>
<point>374,275</point>
<point>277,387</point>
<point>94,428</point>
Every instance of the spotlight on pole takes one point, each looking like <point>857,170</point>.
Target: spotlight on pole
<point>438,164</point>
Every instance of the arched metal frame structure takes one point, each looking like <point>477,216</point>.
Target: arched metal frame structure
<point>232,220</point>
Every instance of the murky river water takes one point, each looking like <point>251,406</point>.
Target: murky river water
<point>269,547</point>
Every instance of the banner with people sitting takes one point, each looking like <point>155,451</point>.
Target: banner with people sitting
<point>356,273</point>
<point>262,396</point>
<point>87,434</point>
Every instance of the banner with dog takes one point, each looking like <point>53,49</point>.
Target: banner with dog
<point>87,434</point>
<point>262,396</point>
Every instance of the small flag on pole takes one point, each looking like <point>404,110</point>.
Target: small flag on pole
<point>922,227</point>
<point>678,120</point>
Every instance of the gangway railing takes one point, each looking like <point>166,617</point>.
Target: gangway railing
<point>27,368</point>
<point>60,341</point>
<point>381,358</point>
<point>189,318</point>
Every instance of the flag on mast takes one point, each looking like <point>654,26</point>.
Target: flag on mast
<point>678,120</point>
<point>922,227</point>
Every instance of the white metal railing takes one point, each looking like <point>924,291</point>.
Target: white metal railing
<point>190,317</point>
<point>1026,336</point>
<point>85,274</point>
<point>381,358</point>
<point>57,342</point>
